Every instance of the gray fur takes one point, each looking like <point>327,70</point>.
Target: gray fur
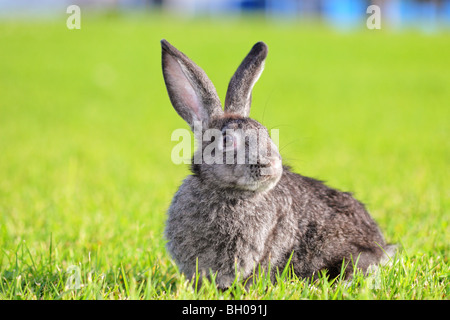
<point>230,218</point>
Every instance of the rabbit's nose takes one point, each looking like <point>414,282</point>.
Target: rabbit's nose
<point>275,162</point>
<point>271,162</point>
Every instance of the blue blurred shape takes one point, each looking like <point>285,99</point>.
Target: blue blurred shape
<point>284,8</point>
<point>253,5</point>
<point>219,7</point>
<point>27,8</point>
<point>345,14</point>
<point>445,13</point>
<point>422,15</point>
<point>428,16</point>
<point>409,13</point>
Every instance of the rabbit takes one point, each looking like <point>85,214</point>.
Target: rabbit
<point>226,219</point>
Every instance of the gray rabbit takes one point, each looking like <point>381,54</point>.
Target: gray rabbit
<point>228,217</point>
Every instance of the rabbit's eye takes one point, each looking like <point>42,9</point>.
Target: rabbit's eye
<point>228,141</point>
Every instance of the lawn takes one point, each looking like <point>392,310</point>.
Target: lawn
<point>86,175</point>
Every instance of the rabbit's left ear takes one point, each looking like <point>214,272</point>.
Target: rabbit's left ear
<point>239,94</point>
<point>191,92</point>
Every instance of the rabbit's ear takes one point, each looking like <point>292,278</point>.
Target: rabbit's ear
<point>239,94</point>
<point>191,92</point>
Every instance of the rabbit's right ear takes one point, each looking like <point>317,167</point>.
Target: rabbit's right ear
<point>191,92</point>
<point>239,93</point>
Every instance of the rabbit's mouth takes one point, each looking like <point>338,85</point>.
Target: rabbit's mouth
<point>263,177</point>
<point>272,168</point>
<point>265,183</point>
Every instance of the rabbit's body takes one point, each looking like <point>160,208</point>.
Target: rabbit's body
<point>230,217</point>
<point>241,230</point>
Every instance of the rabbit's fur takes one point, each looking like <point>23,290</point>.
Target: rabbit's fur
<point>228,218</point>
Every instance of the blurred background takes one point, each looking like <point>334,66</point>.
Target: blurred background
<point>429,15</point>
<point>86,123</point>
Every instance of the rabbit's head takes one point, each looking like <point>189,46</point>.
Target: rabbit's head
<point>235,152</point>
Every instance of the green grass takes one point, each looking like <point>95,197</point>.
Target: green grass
<point>85,169</point>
